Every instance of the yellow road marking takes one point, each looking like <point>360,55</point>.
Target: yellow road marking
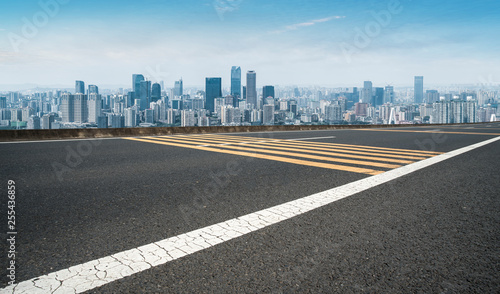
<point>349,161</point>
<point>336,149</point>
<point>301,148</point>
<point>263,156</point>
<point>343,146</point>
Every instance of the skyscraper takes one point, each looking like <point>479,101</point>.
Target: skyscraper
<point>268,91</point>
<point>81,112</point>
<point>3,102</point>
<point>178,88</point>
<point>213,89</point>
<point>236,83</point>
<point>145,94</point>
<point>367,92</point>
<point>93,89</point>
<point>79,87</point>
<point>156,92</point>
<point>136,84</point>
<point>268,115</point>
<point>389,95</point>
<point>67,108</point>
<point>378,98</point>
<point>94,107</point>
<point>252,88</point>
<point>419,89</point>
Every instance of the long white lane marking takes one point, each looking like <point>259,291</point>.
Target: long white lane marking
<point>95,273</point>
<point>305,139</point>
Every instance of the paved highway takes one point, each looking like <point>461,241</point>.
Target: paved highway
<point>412,210</point>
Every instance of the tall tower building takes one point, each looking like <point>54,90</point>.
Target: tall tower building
<point>156,92</point>
<point>367,92</point>
<point>268,115</point>
<point>252,88</point>
<point>79,87</point>
<point>268,91</point>
<point>419,89</point>
<point>3,102</point>
<point>378,98</point>
<point>213,89</point>
<point>136,84</point>
<point>145,94</point>
<point>67,108</point>
<point>93,89</point>
<point>389,95</point>
<point>81,111</point>
<point>94,107</point>
<point>236,83</point>
<point>178,88</point>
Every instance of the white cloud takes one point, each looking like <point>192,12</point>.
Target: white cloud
<point>306,24</point>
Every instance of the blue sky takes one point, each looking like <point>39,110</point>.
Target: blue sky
<point>293,42</point>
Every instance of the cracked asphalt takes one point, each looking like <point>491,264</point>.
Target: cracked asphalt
<point>436,230</point>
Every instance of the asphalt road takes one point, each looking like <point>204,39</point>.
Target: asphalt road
<point>436,230</point>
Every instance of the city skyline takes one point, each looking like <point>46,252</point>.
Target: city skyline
<point>286,42</point>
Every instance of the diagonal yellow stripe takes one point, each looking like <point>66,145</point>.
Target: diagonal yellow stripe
<point>331,148</point>
<point>344,146</point>
<point>268,157</point>
<point>308,156</point>
<point>208,143</point>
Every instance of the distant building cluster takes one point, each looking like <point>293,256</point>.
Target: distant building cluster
<point>148,104</point>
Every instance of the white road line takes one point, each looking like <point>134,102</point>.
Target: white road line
<point>304,139</point>
<point>95,273</point>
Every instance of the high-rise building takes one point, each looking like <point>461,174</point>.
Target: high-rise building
<point>136,84</point>
<point>268,115</point>
<point>187,118</point>
<point>268,91</point>
<point>244,92</point>
<point>33,123</point>
<point>236,83</point>
<point>389,95</point>
<point>81,112</point>
<point>213,89</point>
<point>94,106</point>
<point>46,121</point>
<point>178,88</point>
<point>67,108</point>
<point>79,87</point>
<point>431,96</point>
<point>156,92</point>
<point>419,89</point>
<point>3,102</point>
<point>74,108</point>
<point>367,92</point>
<point>333,112</point>
<point>145,94</point>
<point>93,89</point>
<point>361,109</point>
<point>378,98</point>
<point>252,89</point>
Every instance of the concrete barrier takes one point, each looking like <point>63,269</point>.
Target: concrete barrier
<point>31,135</point>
